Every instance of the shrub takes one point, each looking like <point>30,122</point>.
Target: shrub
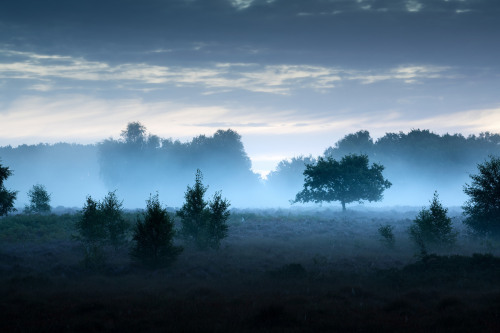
<point>432,227</point>
<point>112,217</point>
<point>101,224</point>
<point>482,210</point>
<point>203,223</point>
<point>92,233</point>
<point>153,237</point>
<point>39,200</point>
<point>387,235</point>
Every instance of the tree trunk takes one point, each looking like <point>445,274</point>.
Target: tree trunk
<point>343,206</point>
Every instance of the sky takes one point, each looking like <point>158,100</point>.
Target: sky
<point>290,76</point>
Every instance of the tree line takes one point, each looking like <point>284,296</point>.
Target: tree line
<point>204,223</point>
<point>415,162</point>
<point>139,162</point>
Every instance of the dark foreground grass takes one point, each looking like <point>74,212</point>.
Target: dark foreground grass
<point>297,274</point>
<point>434,294</point>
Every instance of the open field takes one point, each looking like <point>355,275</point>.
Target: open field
<point>277,271</point>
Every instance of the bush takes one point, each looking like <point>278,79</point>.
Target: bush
<point>432,227</point>
<point>22,228</point>
<point>101,224</point>
<point>112,217</point>
<point>153,237</point>
<point>203,223</point>
<point>387,235</point>
<point>92,233</point>
<point>482,210</point>
<point>39,200</point>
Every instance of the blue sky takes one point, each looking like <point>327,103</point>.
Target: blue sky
<point>292,77</point>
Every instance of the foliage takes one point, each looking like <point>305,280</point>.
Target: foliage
<point>101,224</point>
<point>112,218</point>
<point>432,227</point>
<point>483,207</point>
<point>436,160</point>
<point>218,215</point>
<point>63,168</point>
<point>346,181</point>
<point>387,235</point>
<point>92,233</point>
<point>203,222</point>
<point>24,228</point>
<point>134,134</point>
<point>153,236</point>
<point>6,197</point>
<point>358,143</point>
<point>288,176</point>
<point>39,200</point>
<point>139,162</point>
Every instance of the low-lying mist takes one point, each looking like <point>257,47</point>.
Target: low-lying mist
<point>139,164</point>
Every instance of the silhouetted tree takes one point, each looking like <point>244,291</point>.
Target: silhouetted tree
<point>111,212</point>
<point>355,143</point>
<point>101,224</point>
<point>482,210</point>
<point>153,236</point>
<point>288,176</point>
<point>6,197</point>
<point>346,181</point>
<point>92,233</point>
<point>218,215</point>
<point>39,200</point>
<point>135,133</point>
<point>138,162</point>
<point>386,233</point>
<point>203,222</point>
<point>432,227</point>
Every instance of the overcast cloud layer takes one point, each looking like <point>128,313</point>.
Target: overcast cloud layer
<point>291,76</point>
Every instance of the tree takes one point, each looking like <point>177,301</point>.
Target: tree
<point>203,222</point>
<point>359,143</point>
<point>346,181</point>
<point>101,224</point>
<point>39,200</point>
<point>482,210</point>
<point>288,175</point>
<point>6,197</point>
<point>218,215</point>
<point>111,212</point>
<point>432,227</point>
<point>134,134</point>
<point>92,233</point>
<point>153,236</point>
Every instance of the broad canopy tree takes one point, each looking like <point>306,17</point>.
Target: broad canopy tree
<point>482,210</point>
<point>348,180</point>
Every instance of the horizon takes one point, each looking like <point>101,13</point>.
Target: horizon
<point>269,163</point>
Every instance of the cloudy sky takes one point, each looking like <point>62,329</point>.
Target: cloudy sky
<point>291,76</point>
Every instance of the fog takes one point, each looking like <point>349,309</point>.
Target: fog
<point>140,163</point>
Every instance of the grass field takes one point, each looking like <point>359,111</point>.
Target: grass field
<point>277,271</point>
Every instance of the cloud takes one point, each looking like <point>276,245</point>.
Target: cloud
<point>282,79</point>
<point>408,74</point>
<point>269,134</point>
<point>413,6</point>
<point>466,122</point>
<point>79,118</point>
